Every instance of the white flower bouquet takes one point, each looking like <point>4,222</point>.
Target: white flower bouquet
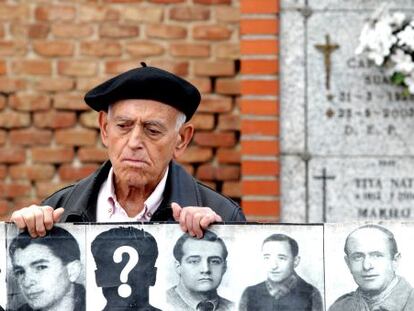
<point>387,39</point>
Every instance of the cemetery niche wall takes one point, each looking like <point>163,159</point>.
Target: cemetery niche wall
<point>347,131</point>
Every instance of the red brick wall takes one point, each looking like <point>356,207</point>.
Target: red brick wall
<point>259,106</point>
<point>52,52</point>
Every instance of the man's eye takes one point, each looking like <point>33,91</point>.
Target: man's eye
<point>41,267</point>
<point>152,131</point>
<point>357,257</point>
<point>193,261</point>
<point>18,272</point>
<point>216,261</point>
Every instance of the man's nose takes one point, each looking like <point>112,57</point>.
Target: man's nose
<point>274,264</point>
<point>367,263</point>
<point>28,280</point>
<point>205,266</point>
<point>135,137</point>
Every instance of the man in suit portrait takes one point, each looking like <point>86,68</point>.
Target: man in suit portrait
<point>46,270</point>
<point>372,256</point>
<point>200,265</point>
<point>140,278</point>
<point>284,289</point>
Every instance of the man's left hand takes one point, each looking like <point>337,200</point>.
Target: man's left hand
<point>194,219</point>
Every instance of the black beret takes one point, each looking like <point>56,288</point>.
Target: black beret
<point>146,83</point>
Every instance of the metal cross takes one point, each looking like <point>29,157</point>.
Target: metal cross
<point>324,177</point>
<point>327,49</point>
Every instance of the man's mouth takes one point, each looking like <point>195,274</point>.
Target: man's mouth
<point>205,280</point>
<point>370,277</point>
<point>34,295</point>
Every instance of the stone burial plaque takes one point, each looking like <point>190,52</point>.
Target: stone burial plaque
<point>341,117</point>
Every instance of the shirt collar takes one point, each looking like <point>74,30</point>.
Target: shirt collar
<point>191,301</point>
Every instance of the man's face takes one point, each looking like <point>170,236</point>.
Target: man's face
<point>278,260</point>
<point>202,266</point>
<point>42,277</point>
<point>370,261</point>
<point>141,138</point>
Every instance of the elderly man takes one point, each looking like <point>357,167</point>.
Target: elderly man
<point>200,265</point>
<point>283,290</point>
<point>372,256</point>
<point>143,116</point>
<point>46,270</point>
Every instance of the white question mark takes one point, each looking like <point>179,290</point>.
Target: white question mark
<point>124,290</point>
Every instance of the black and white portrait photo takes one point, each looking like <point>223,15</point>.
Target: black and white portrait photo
<point>3,256</point>
<point>125,259</point>
<point>371,275</point>
<point>47,272</point>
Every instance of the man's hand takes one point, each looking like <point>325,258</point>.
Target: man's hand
<point>194,219</point>
<point>37,219</point>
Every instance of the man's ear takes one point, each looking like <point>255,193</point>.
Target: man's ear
<point>178,267</point>
<point>347,261</point>
<point>103,124</point>
<point>296,261</point>
<point>185,134</point>
<point>74,268</point>
<point>396,261</point>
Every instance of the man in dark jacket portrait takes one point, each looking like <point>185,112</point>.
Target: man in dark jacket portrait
<point>283,290</point>
<point>46,270</point>
<point>144,116</point>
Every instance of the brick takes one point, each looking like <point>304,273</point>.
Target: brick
<point>54,85</point>
<point>14,12</point>
<point>10,85</point>
<point>204,85</point>
<point>3,137</point>
<point>3,171</point>
<point>214,68</point>
<point>259,66</point>
<point>29,102</point>
<point>178,68</point>
<point>227,51</point>
<point>212,2</point>
<point>227,14</point>
<point>166,1</point>
<point>260,187</point>
<point>30,137</point>
<point>260,127</point>
<point>189,50</point>
<point>259,107</point>
<point>55,13</point>
<point>122,1</point>
<point>229,122</point>
<point>211,32</point>
<point>19,203</point>
<point>111,30</point>
<point>12,155</point>
<point>68,172</point>
<point>143,48</point>
<point>215,139</point>
<point>163,31</point>
<point>259,26</point>
<point>261,168</point>
<point>3,68</point>
<point>14,189</point>
<point>259,147</point>
<point>32,31</point>
<point>226,155</point>
<point>259,47</point>
<point>228,86</point>
<point>32,67</point>
<point>95,13</point>
<point>188,168</point>
<point>52,154</point>
<point>118,66</point>
<point>211,172</point>
<point>188,13</point>
<point>5,210</point>
<point>141,14</point>
<point>69,101</point>
<point>33,172</point>
<point>259,6</point>
<point>12,119</point>
<point>71,30</point>
<point>76,137</point>
<point>196,154</point>
<point>203,121</point>
<point>77,68</point>
<point>232,189</point>
<point>260,87</point>
<point>263,208</point>
<point>2,102</point>
<point>54,119</point>
<point>89,119</point>
<point>54,48</point>
<point>218,104</point>
<point>13,48</point>
<point>100,48</point>
<point>45,189</point>
<point>92,154</point>
<point>85,84</point>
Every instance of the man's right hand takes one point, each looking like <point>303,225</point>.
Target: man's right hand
<point>36,219</point>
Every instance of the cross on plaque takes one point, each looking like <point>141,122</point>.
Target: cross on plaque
<point>327,49</point>
<point>324,177</point>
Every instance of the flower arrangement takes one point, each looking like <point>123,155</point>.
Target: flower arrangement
<point>387,39</point>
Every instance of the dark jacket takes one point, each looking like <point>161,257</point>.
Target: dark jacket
<point>303,297</point>
<point>80,199</point>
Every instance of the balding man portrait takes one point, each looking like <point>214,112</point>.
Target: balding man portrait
<point>372,256</point>
<point>144,120</point>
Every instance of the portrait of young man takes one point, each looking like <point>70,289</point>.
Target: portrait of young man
<point>46,270</point>
<point>372,257</point>
<point>284,289</point>
<point>200,265</point>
